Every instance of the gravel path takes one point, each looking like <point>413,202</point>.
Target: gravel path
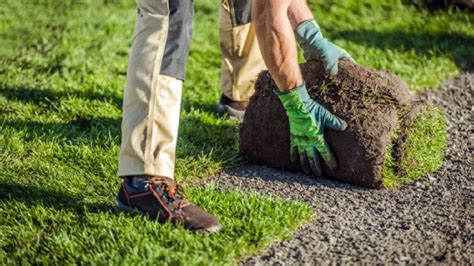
<point>428,222</point>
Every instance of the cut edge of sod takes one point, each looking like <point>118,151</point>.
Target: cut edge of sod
<point>423,152</point>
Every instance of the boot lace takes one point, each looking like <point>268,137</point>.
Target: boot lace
<point>174,191</point>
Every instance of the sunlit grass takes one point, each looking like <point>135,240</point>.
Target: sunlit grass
<point>62,73</point>
<point>423,149</point>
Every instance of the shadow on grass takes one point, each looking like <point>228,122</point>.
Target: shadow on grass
<point>200,137</point>
<point>206,107</point>
<point>460,48</point>
<point>91,129</point>
<point>47,97</point>
<point>59,200</point>
<point>434,5</point>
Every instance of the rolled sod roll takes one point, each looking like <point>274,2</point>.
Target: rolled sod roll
<point>378,109</point>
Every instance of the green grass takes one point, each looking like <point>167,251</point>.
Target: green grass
<point>53,225</point>
<point>422,47</point>
<point>423,150</point>
<point>425,144</point>
<point>62,73</point>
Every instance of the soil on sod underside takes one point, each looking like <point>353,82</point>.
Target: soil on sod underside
<point>374,103</point>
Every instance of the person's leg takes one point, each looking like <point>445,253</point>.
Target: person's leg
<point>152,97</point>
<point>151,110</point>
<point>241,57</point>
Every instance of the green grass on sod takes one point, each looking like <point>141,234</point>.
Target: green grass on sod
<point>426,138</point>
<point>423,149</point>
<point>62,73</point>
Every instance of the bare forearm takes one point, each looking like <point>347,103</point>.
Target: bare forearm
<point>298,11</point>
<point>277,42</point>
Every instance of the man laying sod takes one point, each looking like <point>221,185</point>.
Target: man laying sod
<point>153,96</point>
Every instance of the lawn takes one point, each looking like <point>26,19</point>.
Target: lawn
<point>62,73</point>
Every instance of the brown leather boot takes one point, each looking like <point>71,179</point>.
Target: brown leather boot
<point>162,199</point>
<point>232,108</point>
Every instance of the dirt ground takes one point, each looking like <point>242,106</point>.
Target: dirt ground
<point>425,223</point>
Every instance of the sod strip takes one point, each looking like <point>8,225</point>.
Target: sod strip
<point>369,100</point>
<point>43,225</point>
<point>388,136</point>
<point>57,189</point>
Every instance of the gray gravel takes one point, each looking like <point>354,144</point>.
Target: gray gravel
<point>425,223</point>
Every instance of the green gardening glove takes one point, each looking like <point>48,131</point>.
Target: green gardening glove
<point>315,46</point>
<point>307,121</point>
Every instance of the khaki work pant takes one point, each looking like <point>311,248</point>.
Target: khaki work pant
<point>241,57</point>
<point>156,70</point>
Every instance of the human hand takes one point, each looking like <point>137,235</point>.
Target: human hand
<point>315,46</point>
<point>307,120</point>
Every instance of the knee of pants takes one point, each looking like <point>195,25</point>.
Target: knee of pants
<point>241,11</point>
<point>178,38</point>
